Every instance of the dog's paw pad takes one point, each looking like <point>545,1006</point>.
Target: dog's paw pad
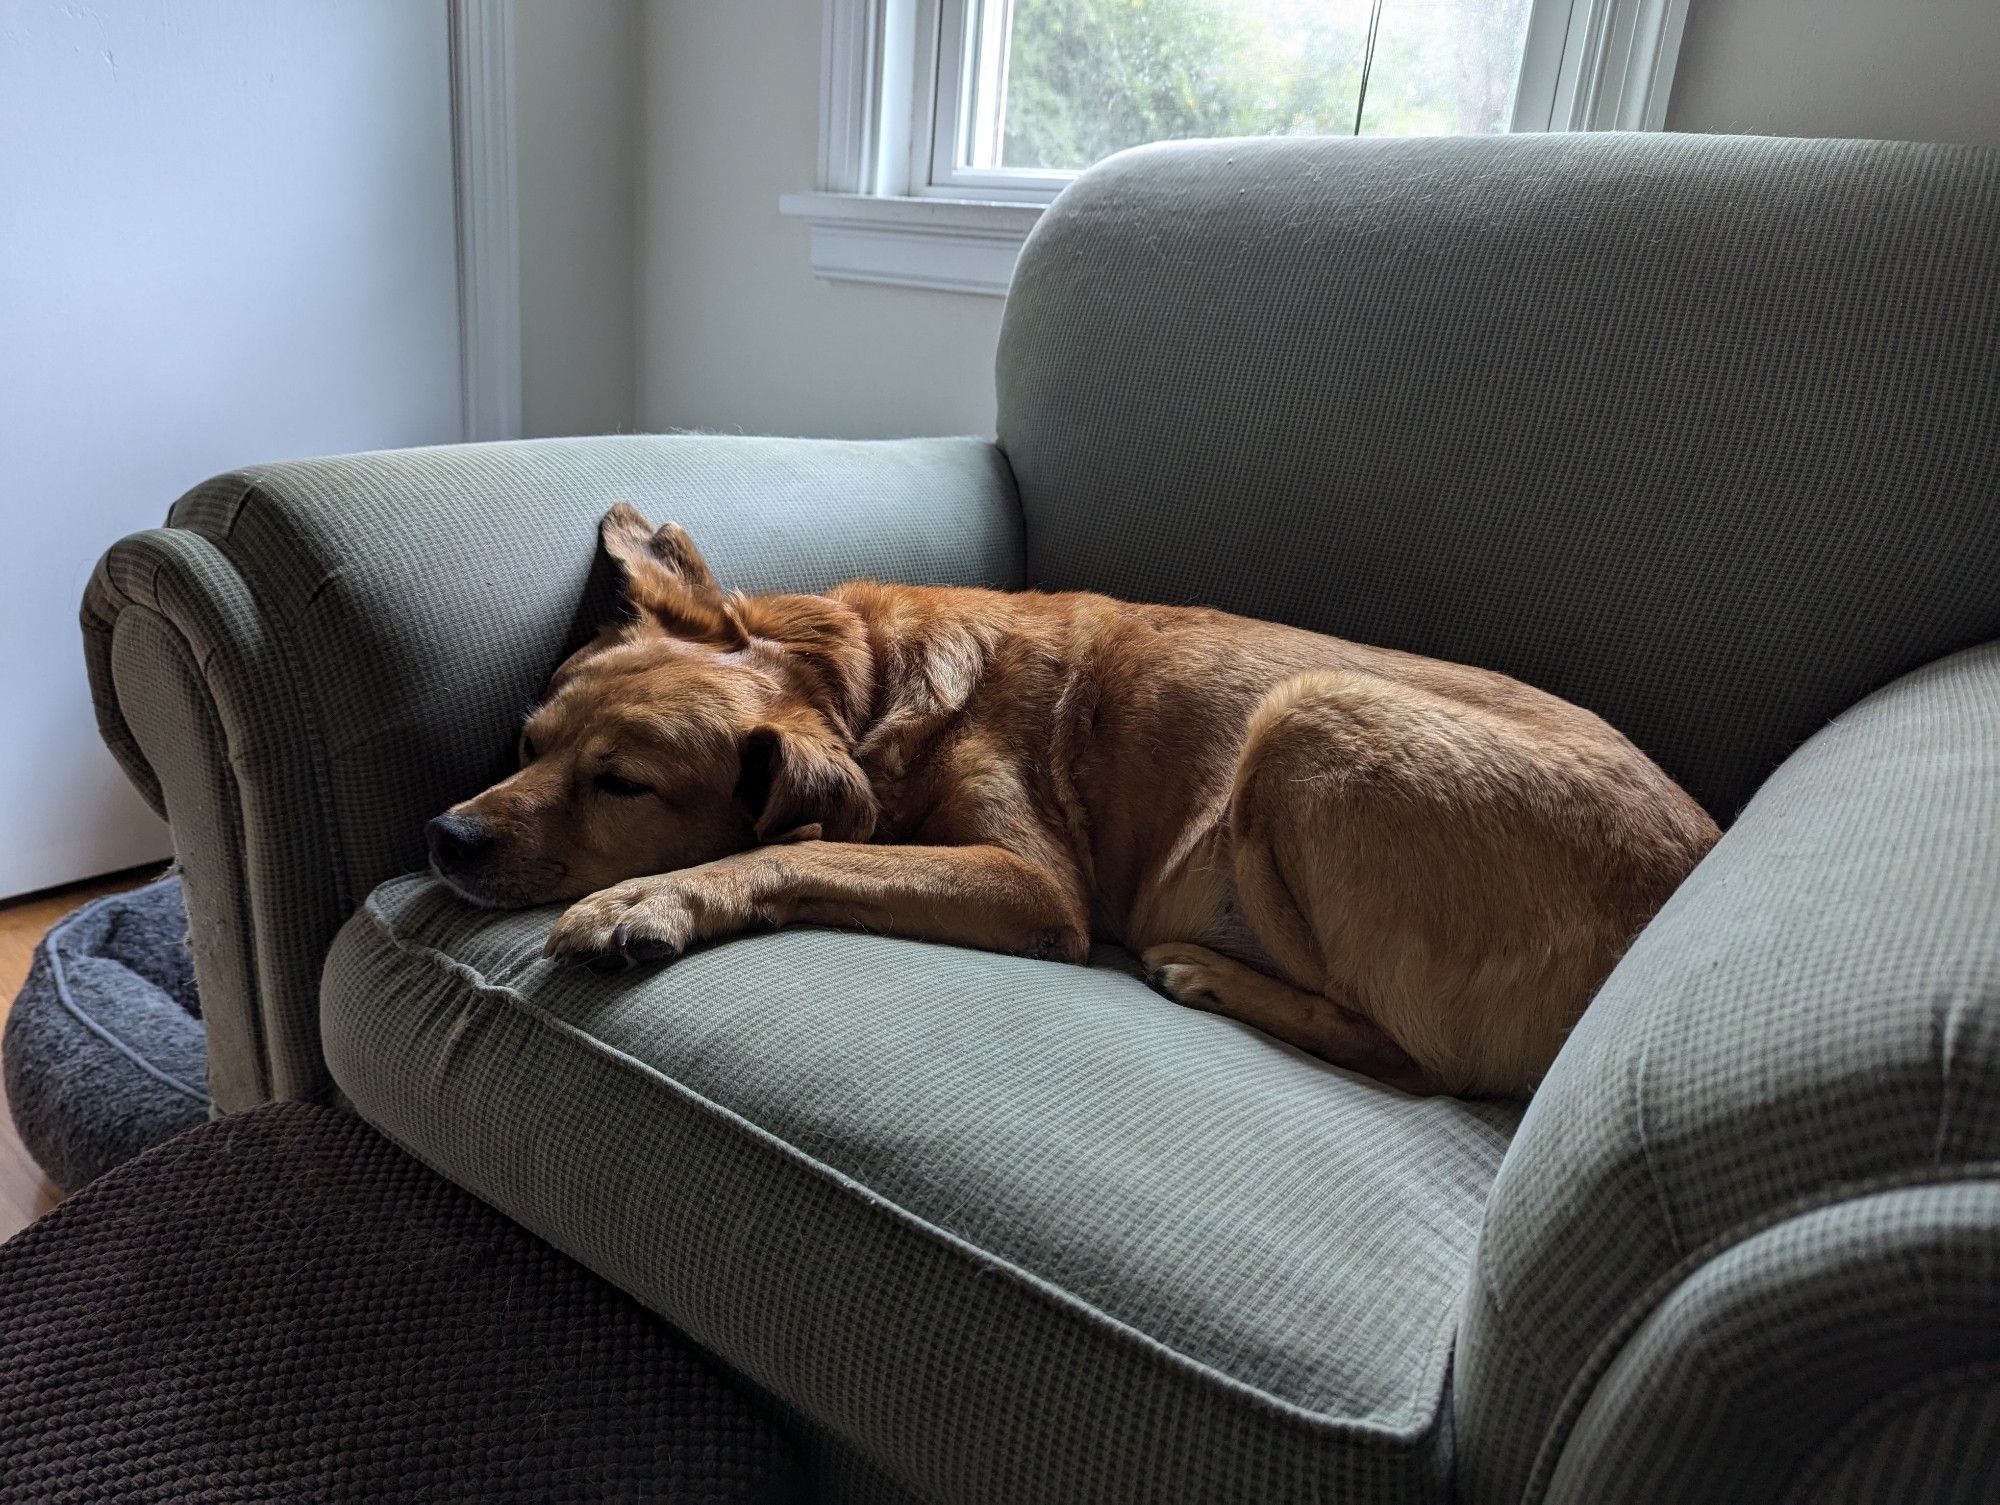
<point>637,947</point>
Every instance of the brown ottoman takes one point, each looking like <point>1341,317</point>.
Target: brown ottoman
<point>285,1306</point>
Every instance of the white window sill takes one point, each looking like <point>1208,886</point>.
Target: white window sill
<point>952,245</point>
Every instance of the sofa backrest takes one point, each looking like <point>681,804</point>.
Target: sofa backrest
<point>1701,433</point>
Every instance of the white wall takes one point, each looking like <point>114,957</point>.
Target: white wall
<point>734,332</point>
<point>1900,70</point>
<point>226,235</point>
<point>576,117</point>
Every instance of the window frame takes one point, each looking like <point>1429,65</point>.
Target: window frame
<point>894,207</point>
<point>950,53</point>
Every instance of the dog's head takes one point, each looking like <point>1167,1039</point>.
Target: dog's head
<point>701,725</point>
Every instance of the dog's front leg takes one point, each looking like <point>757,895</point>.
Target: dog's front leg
<point>980,896</point>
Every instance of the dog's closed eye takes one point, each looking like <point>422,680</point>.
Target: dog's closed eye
<point>610,783</point>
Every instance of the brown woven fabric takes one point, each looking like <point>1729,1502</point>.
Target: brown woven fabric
<point>285,1306</point>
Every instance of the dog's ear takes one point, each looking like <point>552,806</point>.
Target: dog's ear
<point>800,784</point>
<point>666,577</point>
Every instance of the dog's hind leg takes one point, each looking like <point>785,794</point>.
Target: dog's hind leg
<point>1422,862</point>
<point>1204,979</point>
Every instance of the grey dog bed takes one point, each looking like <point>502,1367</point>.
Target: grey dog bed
<point>105,1052</point>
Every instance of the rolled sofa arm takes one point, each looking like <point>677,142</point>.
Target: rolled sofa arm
<point>1746,1244</point>
<point>312,658</point>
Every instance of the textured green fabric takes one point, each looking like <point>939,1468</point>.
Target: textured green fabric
<point>1809,1358</point>
<point>169,704</point>
<point>1813,1017</point>
<point>1700,433</point>
<point>1019,1231</point>
<point>196,696</point>
<point>359,636</point>
<point>1933,1443</point>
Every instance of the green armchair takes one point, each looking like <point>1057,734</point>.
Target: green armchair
<point>1703,434</point>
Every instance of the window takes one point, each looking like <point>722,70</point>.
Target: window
<point>1032,91</point>
<point>948,124</point>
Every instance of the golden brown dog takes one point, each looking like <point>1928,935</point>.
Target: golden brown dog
<point>1414,869</point>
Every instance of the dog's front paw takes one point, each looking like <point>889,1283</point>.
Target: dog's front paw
<point>645,920</point>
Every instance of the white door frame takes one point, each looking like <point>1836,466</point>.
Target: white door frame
<point>489,217</point>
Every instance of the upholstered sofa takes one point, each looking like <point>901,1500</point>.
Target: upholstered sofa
<point>1703,434</point>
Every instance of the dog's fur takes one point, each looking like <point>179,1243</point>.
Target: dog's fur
<point>1415,869</point>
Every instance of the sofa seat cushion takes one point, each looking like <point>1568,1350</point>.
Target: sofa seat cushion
<point>1014,1229</point>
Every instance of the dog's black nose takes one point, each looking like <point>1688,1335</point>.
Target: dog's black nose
<point>458,841</point>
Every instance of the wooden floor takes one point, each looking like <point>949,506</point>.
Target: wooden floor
<point>25,1193</point>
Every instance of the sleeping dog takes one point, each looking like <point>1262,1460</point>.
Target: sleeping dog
<point>1413,869</point>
